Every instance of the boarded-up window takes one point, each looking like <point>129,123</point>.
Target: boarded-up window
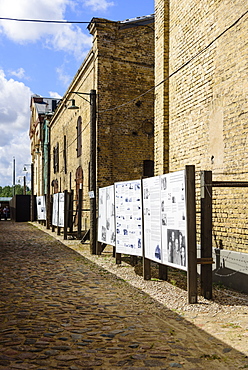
<point>56,158</point>
<point>64,155</point>
<point>148,168</point>
<point>79,136</point>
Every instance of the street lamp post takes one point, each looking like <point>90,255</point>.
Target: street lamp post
<point>13,176</point>
<point>32,205</point>
<point>93,226</point>
<point>92,182</point>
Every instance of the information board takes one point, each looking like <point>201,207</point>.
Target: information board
<point>41,207</point>
<point>152,218</point>
<point>173,219</point>
<point>106,215</point>
<point>128,213</point>
<point>58,209</point>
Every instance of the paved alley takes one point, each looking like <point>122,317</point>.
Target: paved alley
<point>60,311</point>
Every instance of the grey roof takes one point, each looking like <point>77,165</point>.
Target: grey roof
<point>47,106</point>
<point>139,21</point>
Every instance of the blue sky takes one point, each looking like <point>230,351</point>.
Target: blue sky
<point>42,58</point>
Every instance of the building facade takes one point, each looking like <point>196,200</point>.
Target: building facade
<point>201,103</point>
<point>42,110</point>
<point>120,68</point>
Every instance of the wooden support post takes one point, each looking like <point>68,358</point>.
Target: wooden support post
<point>206,233</point>
<point>133,260</point>
<point>66,211</point>
<point>80,201</point>
<point>58,228</point>
<point>33,200</point>
<point>99,246</point>
<point>191,234</point>
<point>51,214</point>
<point>71,211</point>
<point>118,258</point>
<point>146,269</point>
<point>48,211</point>
<point>163,272</point>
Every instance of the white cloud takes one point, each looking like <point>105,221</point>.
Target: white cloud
<point>19,73</point>
<point>70,40</point>
<point>98,4</point>
<point>65,37</point>
<point>14,126</point>
<point>63,76</point>
<point>53,94</point>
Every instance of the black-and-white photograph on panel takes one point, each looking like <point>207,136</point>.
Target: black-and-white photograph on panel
<point>106,215</point>
<point>55,213</point>
<point>128,214</point>
<point>152,223</point>
<point>173,220</point>
<point>41,207</point>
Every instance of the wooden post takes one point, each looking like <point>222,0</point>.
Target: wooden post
<point>58,228</point>
<point>48,204</point>
<point>163,272</point>
<point>118,258</point>
<point>32,203</point>
<point>71,211</point>
<point>206,233</point>
<point>79,226</point>
<point>51,214</point>
<point>133,260</point>
<point>66,210</point>
<point>191,234</point>
<point>146,268</point>
<point>99,246</point>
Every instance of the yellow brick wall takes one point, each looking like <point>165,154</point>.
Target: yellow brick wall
<point>208,104</point>
<point>161,107</point>
<point>125,65</point>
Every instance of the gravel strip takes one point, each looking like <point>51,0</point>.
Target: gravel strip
<point>173,297</point>
<point>226,316</point>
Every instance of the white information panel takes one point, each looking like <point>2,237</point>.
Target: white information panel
<point>128,212</point>
<point>106,215</point>
<point>152,218</point>
<point>55,209</point>
<point>58,209</point>
<point>41,207</point>
<point>61,209</point>
<point>173,220</point>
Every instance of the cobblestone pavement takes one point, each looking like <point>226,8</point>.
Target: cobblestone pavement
<point>60,311</point>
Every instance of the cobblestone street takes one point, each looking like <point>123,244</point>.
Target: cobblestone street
<point>58,310</point>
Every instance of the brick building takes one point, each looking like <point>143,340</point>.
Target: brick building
<point>42,110</point>
<point>120,68</point>
<point>201,109</point>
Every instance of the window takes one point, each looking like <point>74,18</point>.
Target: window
<point>148,168</point>
<point>79,136</point>
<point>56,158</point>
<point>64,155</point>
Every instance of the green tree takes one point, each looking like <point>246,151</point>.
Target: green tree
<point>6,191</point>
<point>18,189</point>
